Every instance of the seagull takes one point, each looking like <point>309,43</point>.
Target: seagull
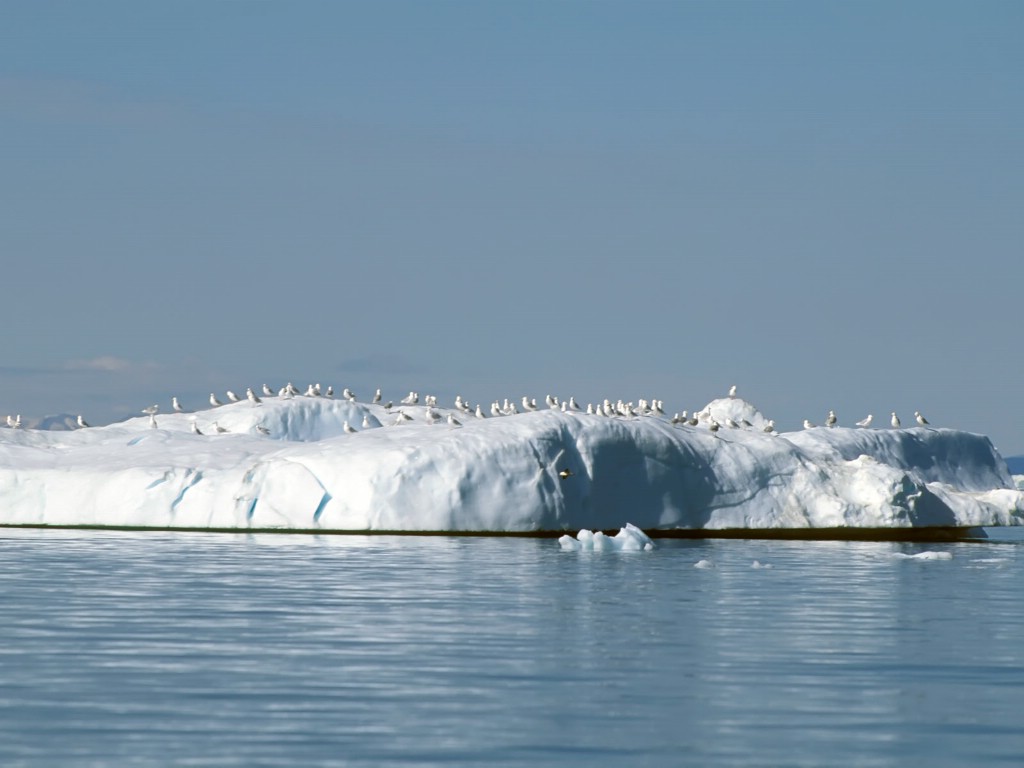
<point>262,430</point>
<point>573,405</point>
<point>214,401</point>
<point>714,426</point>
<point>831,420</point>
<point>150,410</point>
<point>732,391</point>
<point>330,391</point>
<point>921,419</point>
<point>495,409</point>
<point>411,399</point>
<point>233,397</point>
<point>480,412</point>
<point>366,422</point>
<point>253,397</point>
<point>81,422</point>
<point>267,391</point>
<point>866,421</point>
<point>219,428</point>
<point>349,428</point>
<point>808,424</point>
<point>195,429</point>
<point>453,422</point>
<point>565,473</point>
<point>376,396</point>
<point>152,421</point>
<point>528,404</point>
<point>769,426</point>
<point>388,405</point>
<point>176,405</point>
<point>894,420</point>
<point>431,415</point>
<point>402,417</point>
<point>348,394</point>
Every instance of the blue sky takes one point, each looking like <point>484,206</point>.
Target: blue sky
<point>817,201</point>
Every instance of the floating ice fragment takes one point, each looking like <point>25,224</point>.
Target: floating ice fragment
<point>759,564</point>
<point>628,539</point>
<point>703,564</point>
<point>929,555</point>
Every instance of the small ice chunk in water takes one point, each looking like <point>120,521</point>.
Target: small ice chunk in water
<point>703,564</point>
<point>629,539</point>
<point>759,564</point>
<point>929,555</point>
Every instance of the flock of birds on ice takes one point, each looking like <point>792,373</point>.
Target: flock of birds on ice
<point>618,409</point>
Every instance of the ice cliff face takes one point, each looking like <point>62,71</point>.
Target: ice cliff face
<point>290,463</point>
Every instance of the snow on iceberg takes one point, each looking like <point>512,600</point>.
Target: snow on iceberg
<point>293,463</point>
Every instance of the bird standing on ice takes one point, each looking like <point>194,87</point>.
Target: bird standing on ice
<point>195,429</point>
<point>831,420</point>
<point>921,419</point>
<point>894,420</point>
<point>349,428</point>
<point>176,405</point>
<point>233,397</point>
<point>732,391</point>
<point>253,398</point>
<point>453,422</point>
<point>214,401</point>
<point>81,422</point>
<point>808,424</point>
<point>866,421</point>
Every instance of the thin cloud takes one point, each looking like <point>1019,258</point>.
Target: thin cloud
<point>108,364</point>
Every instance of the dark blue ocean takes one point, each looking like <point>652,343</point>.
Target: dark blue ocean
<point>163,649</point>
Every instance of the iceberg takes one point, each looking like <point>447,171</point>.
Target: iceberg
<point>294,463</point>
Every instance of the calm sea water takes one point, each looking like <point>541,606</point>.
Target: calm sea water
<point>146,649</point>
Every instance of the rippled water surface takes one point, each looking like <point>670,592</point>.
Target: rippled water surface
<point>121,648</point>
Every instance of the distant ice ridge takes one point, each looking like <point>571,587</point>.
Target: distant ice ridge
<point>318,463</point>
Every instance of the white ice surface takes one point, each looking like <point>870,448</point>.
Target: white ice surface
<point>496,474</point>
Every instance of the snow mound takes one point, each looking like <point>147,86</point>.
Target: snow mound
<point>316,463</point>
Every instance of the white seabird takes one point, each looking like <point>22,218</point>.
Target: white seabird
<point>894,420</point>
<point>453,422</point>
<point>176,405</point>
<point>411,399</point>
<point>348,394</point>
<point>233,397</point>
<point>366,422</point>
<point>921,419</point>
<point>253,397</point>
<point>480,412</point>
<point>866,421</point>
<point>195,429</point>
<point>262,430</point>
<point>150,410</point>
<point>831,420</point>
<point>732,391</point>
<point>348,428</point>
<point>214,401</point>
<point>431,415</point>
<point>808,424</point>
<point>769,426</point>
<point>220,430</point>
<point>377,396</point>
<point>81,422</point>
<point>267,391</point>
<point>402,417</point>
